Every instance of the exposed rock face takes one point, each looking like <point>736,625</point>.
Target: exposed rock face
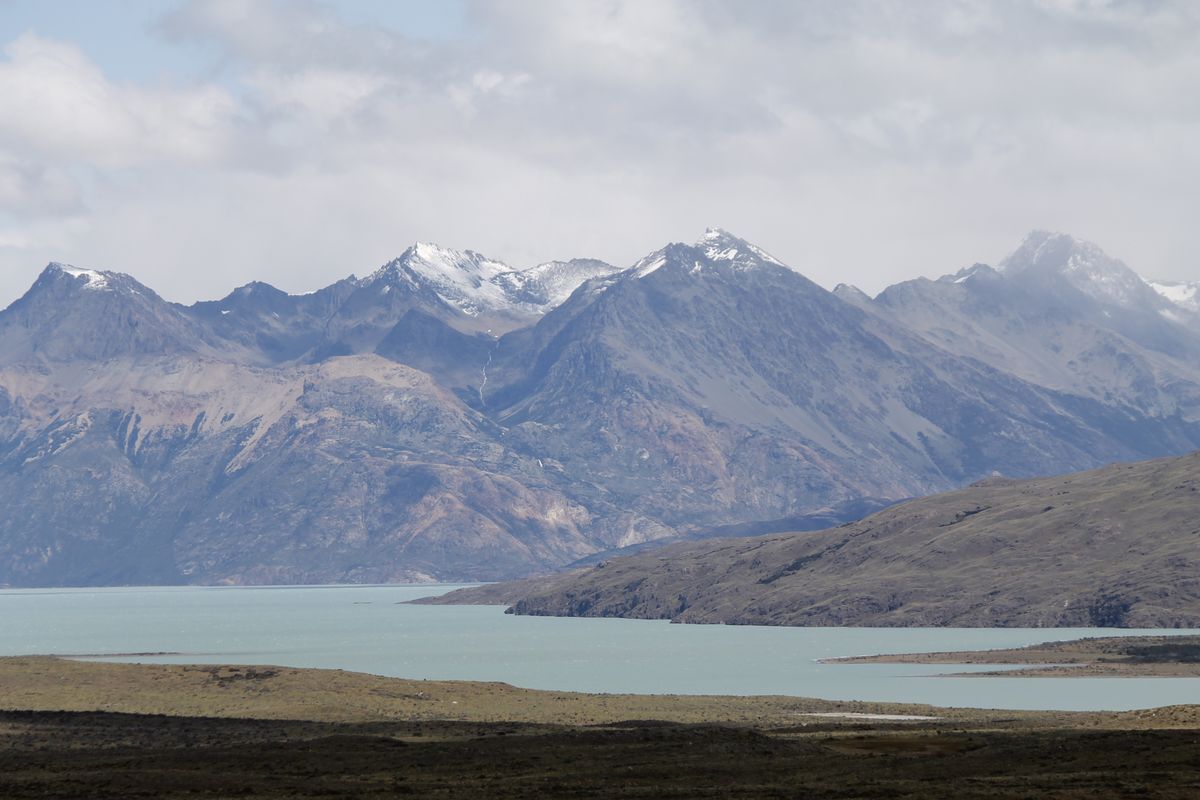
<point>451,418</point>
<point>355,469</point>
<point>1116,547</point>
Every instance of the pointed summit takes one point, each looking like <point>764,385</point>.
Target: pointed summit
<point>1051,251</point>
<point>75,314</point>
<point>721,245</point>
<point>88,278</point>
<point>967,273</point>
<point>717,252</point>
<point>851,294</point>
<point>443,265</point>
<point>463,279</point>
<point>1081,264</point>
<point>62,280</point>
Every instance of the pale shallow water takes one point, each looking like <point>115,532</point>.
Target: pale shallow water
<point>369,629</point>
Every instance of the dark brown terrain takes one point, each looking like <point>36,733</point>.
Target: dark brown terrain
<point>1114,547</point>
<point>217,732</point>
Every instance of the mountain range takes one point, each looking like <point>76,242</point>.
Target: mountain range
<point>448,417</point>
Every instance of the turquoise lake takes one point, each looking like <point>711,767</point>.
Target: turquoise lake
<point>371,629</point>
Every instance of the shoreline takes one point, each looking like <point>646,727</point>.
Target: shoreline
<point>46,683</point>
<point>1092,657</point>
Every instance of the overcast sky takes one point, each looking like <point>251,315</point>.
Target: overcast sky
<point>199,145</point>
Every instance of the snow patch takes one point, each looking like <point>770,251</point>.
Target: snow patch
<point>1183,294</point>
<point>93,279</point>
<point>476,284</point>
<point>649,265</point>
<point>720,245</point>
<point>548,285</point>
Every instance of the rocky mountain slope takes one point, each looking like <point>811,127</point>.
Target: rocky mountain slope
<point>712,380</point>
<point>448,417</point>
<point>1118,546</point>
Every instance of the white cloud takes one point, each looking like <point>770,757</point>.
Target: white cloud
<point>31,190</point>
<point>860,141</point>
<point>55,104</point>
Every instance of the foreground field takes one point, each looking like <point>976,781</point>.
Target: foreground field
<point>115,731</point>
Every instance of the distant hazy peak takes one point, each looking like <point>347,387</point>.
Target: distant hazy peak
<point>966,273</point>
<point>257,287</point>
<point>851,293</point>
<point>1087,267</point>
<point>1184,294</point>
<point>1050,251</point>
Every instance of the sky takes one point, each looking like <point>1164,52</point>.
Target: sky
<point>201,144</point>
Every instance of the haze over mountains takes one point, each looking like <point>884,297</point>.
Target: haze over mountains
<point>448,417</point>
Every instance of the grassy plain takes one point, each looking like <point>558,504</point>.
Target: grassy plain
<point>76,729</point>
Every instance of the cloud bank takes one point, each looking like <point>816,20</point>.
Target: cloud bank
<point>865,142</point>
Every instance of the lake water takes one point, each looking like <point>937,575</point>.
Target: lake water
<point>369,629</point>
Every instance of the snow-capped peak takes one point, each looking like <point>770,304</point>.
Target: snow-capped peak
<point>462,278</point>
<point>717,247</point>
<point>455,267</point>
<point>720,245</point>
<point>476,284</point>
<point>92,279</point>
